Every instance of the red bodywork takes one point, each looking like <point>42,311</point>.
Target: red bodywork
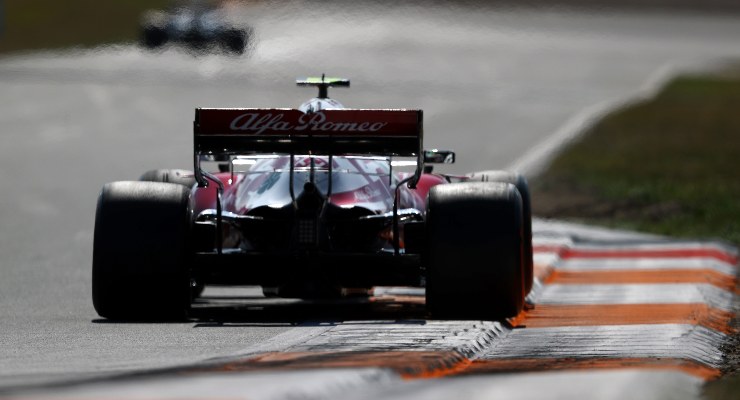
<point>205,198</point>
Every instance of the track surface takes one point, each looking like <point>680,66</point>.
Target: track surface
<point>623,314</point>
<point>493,84</point>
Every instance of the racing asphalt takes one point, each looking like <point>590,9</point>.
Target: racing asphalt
<point>494,84</point>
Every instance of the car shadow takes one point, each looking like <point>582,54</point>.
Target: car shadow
<point>215,311</point>
<point>219,310</point>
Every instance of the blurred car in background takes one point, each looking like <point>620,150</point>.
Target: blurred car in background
<point>197,25</point>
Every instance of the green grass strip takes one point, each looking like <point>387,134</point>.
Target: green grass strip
<point>670,165</point>
<point>52,24</point>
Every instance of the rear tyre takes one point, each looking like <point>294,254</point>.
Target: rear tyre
<point>179,176</point>
<point>141,252</point>
<point>234,41</point>
<point>154,37</point>
<point>522,186</point>
<point>474,254</point>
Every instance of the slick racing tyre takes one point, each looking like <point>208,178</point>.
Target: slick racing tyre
<point>474,251</point>
<point>234,41</point>
<point>522,186</point>
<point>140,268</point>
<point>153,37</point>
<point>179,176</point>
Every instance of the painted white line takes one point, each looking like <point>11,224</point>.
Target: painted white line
<point>636,294</point>
<point>572,232</point>
<point>638,264</point>
<point>536,291</point>
<point>677,341</point>
<point>673,245</point>
<point>545,258</point>
<point>537,158</point>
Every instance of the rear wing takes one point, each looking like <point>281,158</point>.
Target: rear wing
<point>230,131</point>
<point>234,131</point>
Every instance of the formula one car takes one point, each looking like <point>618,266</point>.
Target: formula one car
<point>306,203</point>
<point>197,26</point>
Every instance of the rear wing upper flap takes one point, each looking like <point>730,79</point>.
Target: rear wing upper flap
<point>322,81</point>
<point>341,131</point>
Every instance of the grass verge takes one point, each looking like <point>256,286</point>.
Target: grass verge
<point>669,165</point>
<point>51,24</point>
